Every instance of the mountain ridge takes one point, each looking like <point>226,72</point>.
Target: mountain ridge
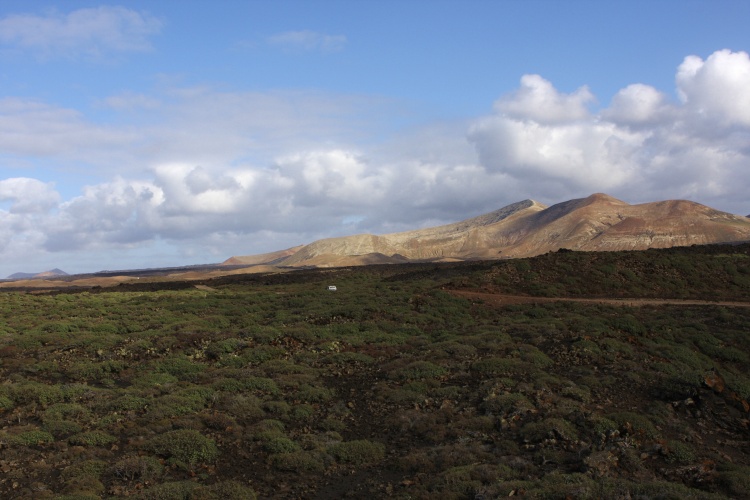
<point>598,222</point>
<point>44,274</point>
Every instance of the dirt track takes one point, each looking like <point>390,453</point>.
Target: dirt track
<point>503,299</point>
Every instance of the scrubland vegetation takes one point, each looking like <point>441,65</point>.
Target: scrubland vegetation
<point>391,387</point>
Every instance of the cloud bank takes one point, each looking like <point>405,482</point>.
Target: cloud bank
<point>236,173</point>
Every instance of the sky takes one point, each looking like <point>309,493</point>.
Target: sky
<point>139,134</point>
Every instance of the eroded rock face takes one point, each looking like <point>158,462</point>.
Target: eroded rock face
<point>527,228</point>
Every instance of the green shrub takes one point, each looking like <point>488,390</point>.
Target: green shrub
<point>278,409</point>
<point>154,379</point>
<point>95,371</point>
<point>261,354</point>
<point>271,425</point>
<point>180,367</point>
<point>284,367</point>
<point>31,438</point>
<point>582,394</point>
<point>42,394</point>
<point>223,347</point>
<point>92,438</point>
<point>128,402</point>
<point>418,370</point>
<point>506,403</point>
<point>223,490</point>
<point>261,384</point>
<point>279,444</point>
<point>228,385</point>
<point>358,452</point>
<point>496,366</point>
<point>60,428</point>
<point>634,423</point>
<point>298,461</point>
<point>182,490</point>
<point>314,394</point>
<point>550,428</point>
<point>92,468</point>
<point>84,487</point>
<point>244,408</point>
<point>61,411</point>
<point>735,479</point>
<point>186,445</point>
<point>6,403</point>
<point>532,355</point>
<point>628,324</point>
<point>302,412</point>
<point>680,452</point>
<point>601,425</point>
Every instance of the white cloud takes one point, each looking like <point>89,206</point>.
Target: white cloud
<point>716,90</point>
<point>28,196</point>
<point>37,129</point>
<point>308,41</point>
<point>539,101</point>
<point>196,125</point>
<point>642,147</point>
<point>334,176</point>
<point>588,155</point>
<point>639,105</point>
<point>91,32</point>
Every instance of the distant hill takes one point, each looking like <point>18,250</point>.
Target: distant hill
<point>45,274</point>
<point>527,228</point>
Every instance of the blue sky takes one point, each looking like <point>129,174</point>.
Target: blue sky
<point>145,133</point>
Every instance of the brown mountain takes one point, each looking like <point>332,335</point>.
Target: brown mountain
<point>527,228</point>
<point>265,258</point>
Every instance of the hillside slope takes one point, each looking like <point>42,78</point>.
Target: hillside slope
<point>527,228</point>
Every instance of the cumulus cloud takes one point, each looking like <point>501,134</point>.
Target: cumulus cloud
<point>643,146</point>
<point>307,41</point>
<point>539,101</point>
<point>539,132</point>
<point>28,196</point>
<point>334,176</point>
<point>639,105</point>
<point>91,32</point>
<point>716,90</point>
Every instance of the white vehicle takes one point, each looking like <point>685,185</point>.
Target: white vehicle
<point>331,288</point>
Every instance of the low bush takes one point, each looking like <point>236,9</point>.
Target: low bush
<point>418,370</point>
<point>298,461</point>
<point>31,438</point>
<point>186,445</point>
<point>497,366</point>
<point>634,424</point>
<point>358,452</point>
<point>550,428</point>
<point>279,444</point>
<point>61,428</point>
<point>92,438</point>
